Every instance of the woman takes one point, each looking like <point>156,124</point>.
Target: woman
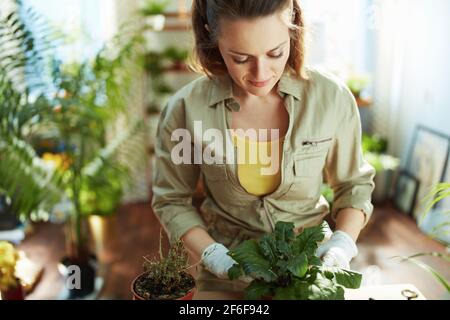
<point>252,53</point>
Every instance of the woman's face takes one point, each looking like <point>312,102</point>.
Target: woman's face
<point>255,52</point>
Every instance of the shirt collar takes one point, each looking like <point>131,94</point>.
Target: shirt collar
<point>291,85</point>
<point>222,89</point>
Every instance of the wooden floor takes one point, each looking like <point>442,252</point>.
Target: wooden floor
<point>134,232</point>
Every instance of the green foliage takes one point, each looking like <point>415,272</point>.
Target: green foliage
<point>374,143</point>
<point>328,193</point>
<point>176,55</point>
<point>374,148</point>
<point>439,277</point>
<point>78,103</point>
<point>30,187</point>
<point>103,179</point>
<point>284,266</point>
<point>28,183</point>
<point>437,194</point>
<point>154,7</point>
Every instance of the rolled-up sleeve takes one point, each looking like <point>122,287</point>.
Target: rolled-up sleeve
<point>347,172</point>
<point>173,184</point>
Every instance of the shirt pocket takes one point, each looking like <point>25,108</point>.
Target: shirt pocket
<point>311,160</point>
<point>307,171</point>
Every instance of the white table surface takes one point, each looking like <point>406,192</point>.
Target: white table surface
<point>380,292</point>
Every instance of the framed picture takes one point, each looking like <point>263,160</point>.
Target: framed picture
<point>444,204</point>
<point>427,161</point>
<point>406,190</point>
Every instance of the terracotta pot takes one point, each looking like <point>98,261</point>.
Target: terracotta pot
<point>136,296</point>
<point>14,294</point>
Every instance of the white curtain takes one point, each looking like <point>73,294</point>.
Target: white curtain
<point>412,69</point>
<point>390,21</point>
<point>336,35</point>
<point>412,74</point>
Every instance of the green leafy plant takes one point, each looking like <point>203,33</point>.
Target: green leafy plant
<point>29,186</point>
<point>284,266</point>
<point>176,55</point>
<point>328,193</point>
<point>80,103</point>
<point>374,143</point>
<point>166,277</point>
<point>437,194</point>
<point>154,7</point>
<point>374,148</point>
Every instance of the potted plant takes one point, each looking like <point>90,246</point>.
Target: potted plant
<point>80,103</point>
<point>284,266</point>
<point>10,286</point>
<point>28,188</point>
<point>176,56</point>
<point>375,152</point>
<point>166,277</point>
<point>153,11</point>
<point>438,193</point>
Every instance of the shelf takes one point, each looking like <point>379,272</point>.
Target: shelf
<point>177,69</point>
<point>179,15</point>
<point>176,27</point>
<point>173,21</point>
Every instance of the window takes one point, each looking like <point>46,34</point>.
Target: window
<point>86,24</point>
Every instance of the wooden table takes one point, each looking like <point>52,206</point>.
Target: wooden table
<point>382,292</point>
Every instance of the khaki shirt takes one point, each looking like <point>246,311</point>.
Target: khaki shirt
<point>322,144</point>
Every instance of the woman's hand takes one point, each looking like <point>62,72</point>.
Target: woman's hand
<point>338,251</point>
<point>218,262</point>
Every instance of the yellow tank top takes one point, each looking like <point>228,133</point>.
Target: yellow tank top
<point>256,174</point>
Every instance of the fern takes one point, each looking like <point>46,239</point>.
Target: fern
<point>30,185</point>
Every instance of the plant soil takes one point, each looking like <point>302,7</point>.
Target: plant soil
<point>150,290</point>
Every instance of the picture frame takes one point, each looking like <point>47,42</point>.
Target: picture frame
<point>445,203</point>
<point>427,162</point>
<point>406,190</point>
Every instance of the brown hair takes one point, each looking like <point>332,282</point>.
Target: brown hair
<point>207,57</point>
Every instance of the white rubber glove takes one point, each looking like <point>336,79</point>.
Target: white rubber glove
<point>217,261</point>
<point>338,251</point>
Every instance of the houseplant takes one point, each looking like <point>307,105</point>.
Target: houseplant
<point>166,277</point>
<point>440,192</point>
<point>374,148</point>
<point>153,11</point>
<point>80,103</point>
<point>176,56</point>
<point>28,187</point>
<point>154,7</point>
<point>284,266</point>
<point>10,286</point>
